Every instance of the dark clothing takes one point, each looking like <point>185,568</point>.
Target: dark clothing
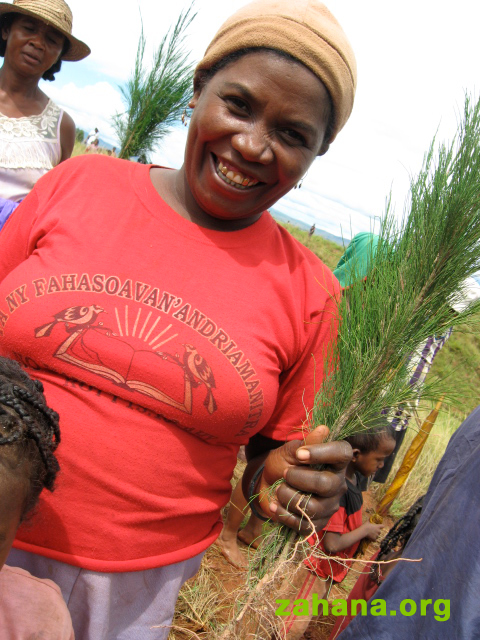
<point>447,540</point>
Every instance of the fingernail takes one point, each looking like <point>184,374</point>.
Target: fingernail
<point>273,507</point>
<point>303,454</point>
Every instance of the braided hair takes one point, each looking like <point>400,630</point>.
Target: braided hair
<point>29,431</point>
<point>402,530</point>
<point>400,533</point>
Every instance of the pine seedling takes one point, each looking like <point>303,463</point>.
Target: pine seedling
<point>155,99</point>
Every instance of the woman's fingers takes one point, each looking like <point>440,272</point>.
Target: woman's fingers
<point>322,489</point>
<point>295,452</point>
<point>322,483</point>
<point>317,435</point>
<point>301,523</point>
<point>334,454</point>
<point>318,498</point>
<point>289,449</point>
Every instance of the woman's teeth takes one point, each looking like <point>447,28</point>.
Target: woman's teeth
<point>235,178</point>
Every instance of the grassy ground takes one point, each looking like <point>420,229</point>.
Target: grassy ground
<point>329,252</point>
<point>459,362</point>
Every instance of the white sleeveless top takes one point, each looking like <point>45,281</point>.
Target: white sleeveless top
<point>29,147</point>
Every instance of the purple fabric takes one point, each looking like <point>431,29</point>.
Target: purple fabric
<point>7,207</point>
<point>114,606</point>
<point>429,352</point>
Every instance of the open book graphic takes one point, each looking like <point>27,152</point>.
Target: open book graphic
<point>99,351</point>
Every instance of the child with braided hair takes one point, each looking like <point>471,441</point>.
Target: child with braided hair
<point>391,548</point>
<point>29,435</point>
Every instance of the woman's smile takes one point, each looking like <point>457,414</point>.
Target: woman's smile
<point>233,176</point>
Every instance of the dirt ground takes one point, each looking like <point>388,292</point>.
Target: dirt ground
<point>231,579</point>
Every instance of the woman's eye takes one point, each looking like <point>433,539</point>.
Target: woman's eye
<point>237,103</point>
<point>294,136</point>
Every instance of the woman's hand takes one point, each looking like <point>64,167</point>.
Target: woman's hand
<point>316,493</point>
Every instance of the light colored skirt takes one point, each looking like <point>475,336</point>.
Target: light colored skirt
<point>135,605</point>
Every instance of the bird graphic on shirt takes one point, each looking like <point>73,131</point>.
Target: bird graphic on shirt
<point>73,317</point>
<point>199,372</point>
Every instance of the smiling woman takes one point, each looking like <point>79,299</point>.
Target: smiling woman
<point>257,126</point>
<point>172,320</point>
<point>35,134</point>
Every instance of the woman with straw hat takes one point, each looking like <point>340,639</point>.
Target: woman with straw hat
<point>171,320</point>
<point>35,134</point>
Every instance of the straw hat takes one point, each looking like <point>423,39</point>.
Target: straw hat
<point>56,13</point>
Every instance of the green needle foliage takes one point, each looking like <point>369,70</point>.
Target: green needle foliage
<point>417,272</point>
<point>155,99</point>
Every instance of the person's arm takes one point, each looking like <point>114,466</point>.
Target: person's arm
<point>24,229</point>
<point>334,542</point>
<point>67,136</point>
<point>304,489</point>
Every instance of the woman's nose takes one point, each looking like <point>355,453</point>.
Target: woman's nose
<point>254,144</point>
<point>37,38</point>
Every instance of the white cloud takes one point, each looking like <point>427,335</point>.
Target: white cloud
<point>111,28</point>
<point>171,150</point>
<point>90,106</point>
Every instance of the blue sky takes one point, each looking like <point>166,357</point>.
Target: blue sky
<point>415,61</point>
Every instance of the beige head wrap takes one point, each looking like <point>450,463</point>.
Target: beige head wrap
<point>303,28</point>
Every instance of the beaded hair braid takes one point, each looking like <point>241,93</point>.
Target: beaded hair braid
<point>29,428</point>
<point>399,534</point>
<point>402,530</point>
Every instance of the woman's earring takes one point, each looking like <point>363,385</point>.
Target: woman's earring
<point>300,182</point>
<point>185,118</point>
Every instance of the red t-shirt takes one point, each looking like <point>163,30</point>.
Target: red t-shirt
<point>346,519</point>
<point>163,346</point>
